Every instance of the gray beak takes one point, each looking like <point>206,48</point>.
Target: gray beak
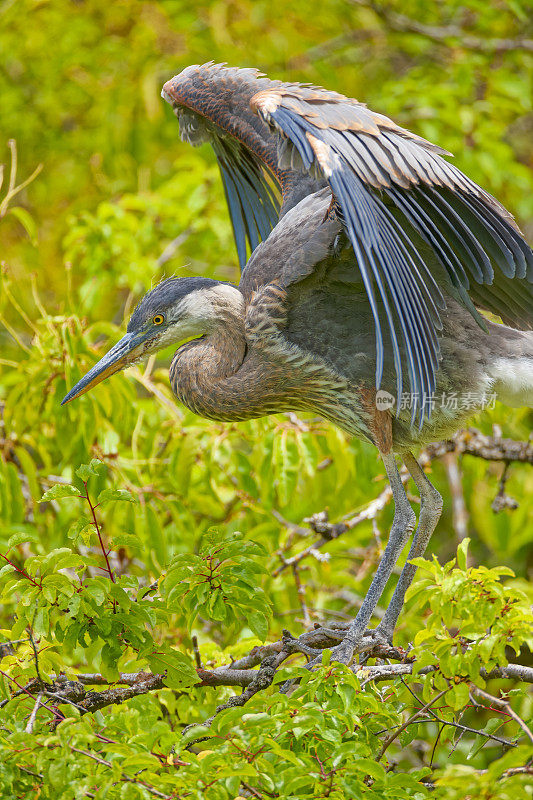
<point>125,352</point>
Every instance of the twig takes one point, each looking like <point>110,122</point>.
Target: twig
<point>123,776</point>
<point>458,725</point>
<point>12,189</point>
<point>459,510</point>
<point>389,740</point>
<point>21,571</point>
<point>301,595</point>
<point>332,531</point>
<point>196,649</point>
<point>465,442</point>
<point>36,657</point>
<point>503,704</point>
<point>442,33</point>
<point>474,443</point>
<point>99,533</point>
<point>33,715</point>
<point>171,248</point>
<point>502,499</point>
<point>527,769</point>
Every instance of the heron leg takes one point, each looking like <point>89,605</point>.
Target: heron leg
<point>430,511</point>
<point>402,526</point>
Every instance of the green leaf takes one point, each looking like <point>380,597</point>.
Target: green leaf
<point>58,491</point>
<point>457,697</point>
<point>6,569</point>
<point>126,540</point>
<point>85,471</point>
<point>258,623</point>
<point>80,525</point>
<point>115,494</point>
<point>41,622</point>
<point>462,553</point>
<point>20,538</point>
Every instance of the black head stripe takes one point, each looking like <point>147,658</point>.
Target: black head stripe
<point>164,296</point>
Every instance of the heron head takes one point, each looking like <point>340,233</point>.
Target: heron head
<point>177,309</point>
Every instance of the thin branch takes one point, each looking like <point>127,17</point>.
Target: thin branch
<point>36,657</point>
<point>502,499</point>
<point>196,649</point>
<point>390,739</point>
<point>123,776</point>
<point>503,704</point>
<point>33,715</point>
<point>459,726</point>
<point>99,533</point>
<point>300,589</point>
<point>441,34</point>
<point>474,443</point>
<point>459,510</point>
<point>21,571</point>
<point>330,531</point>
<point>171,248</point>
<point>12,189</point>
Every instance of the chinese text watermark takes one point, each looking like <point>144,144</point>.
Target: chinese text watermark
<point>448,401</point>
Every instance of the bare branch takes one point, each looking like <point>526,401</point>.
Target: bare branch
<point>389,740</point>
<point>459,726</point>
<point>505,706</point>
<point>329,531</point>
<point>442,34</point>
<point>94,701</point>
<point>459,510</point>
<point>174,245</point>
<point>33,715</point>
<point>197,656</point>
<point>123,776</point>
<point>474,443</point>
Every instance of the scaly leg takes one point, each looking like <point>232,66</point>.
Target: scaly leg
<point>430,511</point>
<point>402,527</point>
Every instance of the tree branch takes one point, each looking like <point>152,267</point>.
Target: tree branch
<point>441,34</point>
<point>491,448</point>
<point>505,706</point>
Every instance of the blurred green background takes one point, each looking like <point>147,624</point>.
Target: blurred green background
<point>120,202</point>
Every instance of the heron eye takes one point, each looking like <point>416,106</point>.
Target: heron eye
<point>158,319</point>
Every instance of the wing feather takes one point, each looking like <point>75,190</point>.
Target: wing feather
<point>364,155</point>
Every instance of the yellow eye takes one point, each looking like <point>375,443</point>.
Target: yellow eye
<point>158,319</point>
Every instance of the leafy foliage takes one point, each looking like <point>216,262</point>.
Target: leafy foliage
<point>220,582</point>
<point>145,549</point>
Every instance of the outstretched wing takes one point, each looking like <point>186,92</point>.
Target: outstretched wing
<point>376,169</point>
<point>381,177</point>
<point>212,103</point>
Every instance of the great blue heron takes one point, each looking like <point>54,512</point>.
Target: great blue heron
<point>370,256</point>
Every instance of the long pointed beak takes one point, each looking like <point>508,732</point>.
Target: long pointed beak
<point>125,352</point>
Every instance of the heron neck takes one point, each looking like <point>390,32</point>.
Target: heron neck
<point>202,371</point>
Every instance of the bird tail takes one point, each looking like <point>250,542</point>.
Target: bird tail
<point>511,367</point>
